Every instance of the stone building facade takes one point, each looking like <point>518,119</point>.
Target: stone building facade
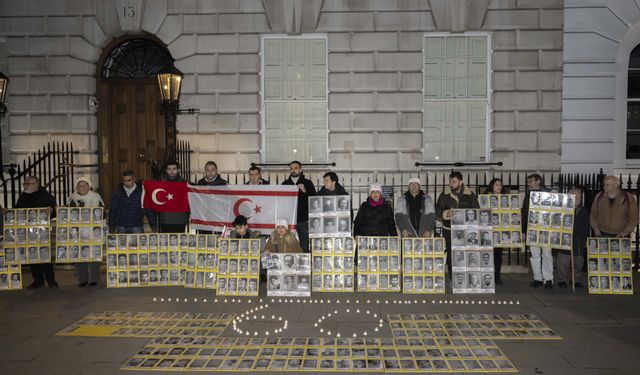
<point>50,50</point>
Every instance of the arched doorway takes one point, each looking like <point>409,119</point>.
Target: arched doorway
<point>131,131</point>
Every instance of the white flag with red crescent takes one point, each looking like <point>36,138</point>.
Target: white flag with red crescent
<point>214,207</point>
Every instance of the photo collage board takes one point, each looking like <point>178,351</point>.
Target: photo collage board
<point>27,236</point>
<point>330,216</point>
<point>423,261</point>
<point>506,218</point>
<point>379,267</point>
<point>472,251</point>
<point>161,259</point>
<point>289,275</point>
<point>239,267</point>
<point>80,233</point>
<point>332,263</point>
<point>551,220</point>
<point>609,264</point>
<point>10,276</point>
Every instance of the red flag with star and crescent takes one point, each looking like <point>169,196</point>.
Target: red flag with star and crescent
<point>165,196</point>
<point>215,207</point>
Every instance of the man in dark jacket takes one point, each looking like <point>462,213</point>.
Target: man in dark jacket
<point>415,213</point>
<point>255,177</point>
<point>459,196</point>
<point>126,213</point>
<point>375,216</point>
<point>581,232</point>
<point>211,176</point>
<point>36,196</point>
<point>331,186</point>
<point>169,222</point>
<point>305,190</point>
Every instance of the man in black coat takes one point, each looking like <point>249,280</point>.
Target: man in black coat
<point>305,190</point>
<point>459,196</point>
<point>36,196</point>
<point>211,176</point>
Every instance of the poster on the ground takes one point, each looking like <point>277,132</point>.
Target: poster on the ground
<point>161,259</point>
<point>238,267</point>
<point>289,274</point>
<point>423,262</point>
<point>332,264</point>
<point>379,268</point>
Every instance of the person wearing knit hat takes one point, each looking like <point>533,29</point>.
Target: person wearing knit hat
<point>87,273</point>
<point>282,240</point>
<point>415,213</point>
<point>375,216</point>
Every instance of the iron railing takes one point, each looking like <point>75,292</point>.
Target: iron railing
<point>53,164</point>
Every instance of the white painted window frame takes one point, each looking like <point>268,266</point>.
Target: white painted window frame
<point>264,37</point>
<point>489,107</point>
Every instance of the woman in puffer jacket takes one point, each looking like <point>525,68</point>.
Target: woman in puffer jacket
<point>375,216</point>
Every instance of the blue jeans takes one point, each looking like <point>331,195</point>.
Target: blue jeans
<point>136,229</point>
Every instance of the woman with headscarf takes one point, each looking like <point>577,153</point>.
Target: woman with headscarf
<point>87,273</point>
<point>282,240</point>
<point>496,187</point>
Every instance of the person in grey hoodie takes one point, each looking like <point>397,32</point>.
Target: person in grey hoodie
<point>415,213</point>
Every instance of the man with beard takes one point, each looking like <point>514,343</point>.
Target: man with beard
<point>169,222</point>
<point>459,196</point>
<point>305,190</point>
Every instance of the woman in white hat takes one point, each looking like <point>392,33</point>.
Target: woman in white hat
<point>375,216</point>
<point>282,240</point>
<point>83,196</point>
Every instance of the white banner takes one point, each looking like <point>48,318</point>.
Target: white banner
<point>215,207</point>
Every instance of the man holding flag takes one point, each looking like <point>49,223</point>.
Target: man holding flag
<point>166,202</point>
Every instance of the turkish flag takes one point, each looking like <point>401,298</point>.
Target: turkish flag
<point>164,196</point>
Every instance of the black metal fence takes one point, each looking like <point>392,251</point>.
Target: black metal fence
<point>53,164</point>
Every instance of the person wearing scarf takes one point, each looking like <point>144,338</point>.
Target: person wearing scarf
<point>87,273</point>
<point>375,216</point>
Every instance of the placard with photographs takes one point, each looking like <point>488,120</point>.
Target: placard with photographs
<point>505,219</point>
<point>80,233</point>
<point>551,220</point>
<point>202,263</point>
<point>27,236</point>
<point>10,277</point>
<point>159,259</point>
<point>379,267</point>
<point>472,251</point>
<point>330,216</point>
<point>332,264</point>
<point>238,267</point>
<point>609,265</point>
<point>289,274</point>
<point>423,262</point>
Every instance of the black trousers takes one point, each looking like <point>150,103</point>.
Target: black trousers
<point>497,262</point>
<point>447,240</point>
<point>172,228</point>
<point>42,272</point>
